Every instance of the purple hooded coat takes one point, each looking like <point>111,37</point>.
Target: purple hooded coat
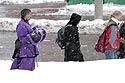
<point>26,59</point>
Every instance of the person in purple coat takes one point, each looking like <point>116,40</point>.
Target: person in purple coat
<point>25,57</point>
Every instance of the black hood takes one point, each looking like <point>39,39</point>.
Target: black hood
<point>122,31</point>
<point>75,19</point>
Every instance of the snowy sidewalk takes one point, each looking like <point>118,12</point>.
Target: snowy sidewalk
<point>103,71</point>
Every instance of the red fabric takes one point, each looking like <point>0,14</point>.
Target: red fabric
<point>117,41</point>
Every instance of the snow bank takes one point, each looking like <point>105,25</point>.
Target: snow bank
<point>85,27</point>
<point>88,9</point>
<point>27,1</point>
<point>101,71</point>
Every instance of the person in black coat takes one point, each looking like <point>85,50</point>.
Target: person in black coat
<point>72,43</point>
<point>121,51</point>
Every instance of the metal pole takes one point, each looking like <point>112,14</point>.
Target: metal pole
<point>98,9</point>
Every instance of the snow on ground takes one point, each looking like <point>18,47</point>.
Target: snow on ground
<point>101,71</point>
<point>27,1</point>
<point>86,27</point>
<point>88,9</point>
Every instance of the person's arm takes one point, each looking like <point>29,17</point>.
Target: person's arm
<point>113,36</point>
<point>22,33</point>
<point>69,34</point>
<point>30,39</point>
<point>42,32</point>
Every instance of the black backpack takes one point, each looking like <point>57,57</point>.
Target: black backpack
<point>60,40</point>
<point>17,47</point>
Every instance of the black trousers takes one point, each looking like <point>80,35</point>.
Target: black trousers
<point>73,56</point>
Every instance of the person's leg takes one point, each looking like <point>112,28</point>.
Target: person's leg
<point>110,54</point>
<point>27,64</point>
<point>115,54</point>
<point>66,56</point>
<point>15,64</point>
<point>81,58</point>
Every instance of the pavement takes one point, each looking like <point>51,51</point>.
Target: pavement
<point>49,50</point>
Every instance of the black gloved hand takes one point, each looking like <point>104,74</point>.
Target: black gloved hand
<point>34,28</point>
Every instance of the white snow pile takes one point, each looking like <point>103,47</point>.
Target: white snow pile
<point>101,71</point>
<point>89,9</point>
<point>27,1</point>
<point>85,27</point>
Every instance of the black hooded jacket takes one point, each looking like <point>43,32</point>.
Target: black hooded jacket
<point>122,45</point>
<point>71,31</point>
<point>72,43</point>
<point>122,31</point>
<point>74,20</point>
